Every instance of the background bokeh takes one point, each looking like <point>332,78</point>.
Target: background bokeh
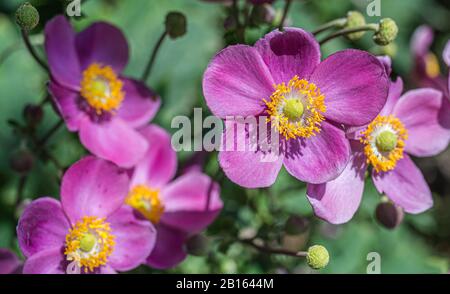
<point>421,244</point>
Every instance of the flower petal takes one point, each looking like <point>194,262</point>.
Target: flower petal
<point>338,200</point>
<point>61,54</point>
<point>50,261</point>
<point>395,91</point>
<point>419,111</point>
<point>355,86</point>
<point>140,104</point>
<point>9,262</point>
<point>159,165</point>
<point>248,167</point>
<point>446,53</point>
<point>93,187</point>
<point>320,158</point>
<point>405,186</point>
<point>387,63</point>
<point>421,40</point>
<point>169,249</point>
<point>191,202</point>
<point>134,239</point>
<point>66,103</point>
<point>289,53</point>
<point>42,226</point>
<point>113,140</point>
<point>236,82</point>
<point>102,43</point>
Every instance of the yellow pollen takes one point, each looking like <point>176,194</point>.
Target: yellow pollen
<point>296,110</point>
<point>101,88</point>
<point>89,243</point>
<point>146,201</point>
<point>384,141</point>
<point>432,67</point>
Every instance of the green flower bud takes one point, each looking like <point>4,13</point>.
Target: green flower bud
<point>175,24</point>
<point>317,257</point>
<point>27,17</point>
<point>387,32</point>
<point>355,19</point>
<point>197,245</point>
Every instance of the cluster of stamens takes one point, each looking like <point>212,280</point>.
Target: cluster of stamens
<point>147,202</point>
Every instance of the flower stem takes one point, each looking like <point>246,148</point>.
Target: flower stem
<point>343,32</point>
<point>20,188</point>
<point>334,23</point>
<point>33,53</point>
<point>260,246</point>
<point>50,133</point>
<point>152,59</point>
<point>285,12</point>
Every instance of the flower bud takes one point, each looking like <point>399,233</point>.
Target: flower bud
<point>175,24</point>
<point>355,19</point>
<point>387,32</point>
<point>229,23</point>
<point>389,215</point>
<point>33,114</point>
<point>296,225</point>
<point>263,14</point>
<point>21,161</point>
<point>197,245</point>
<point>27,17</point>
<point>317,257</point>
<point>247,233</point>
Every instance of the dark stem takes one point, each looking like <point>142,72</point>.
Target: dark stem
<point>152,59</point>
<point>285,13</point>
<point>33,53</point>
<point>50,133</point>
<point>369,27</point>
<point>20,188</point>
<point>267,249</point>
<point>240,29</point>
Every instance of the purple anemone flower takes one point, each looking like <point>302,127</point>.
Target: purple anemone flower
<point>305,100</point>
<point>90,230</point>
<point>411,123</point>
<point>9,262</point>
<point>178,208</point>
<point>91,94</point>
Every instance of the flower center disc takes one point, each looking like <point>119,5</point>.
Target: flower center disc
<point>147,202</point>
<point>101,88</point>
<point>89,243</point>
<point>296,110</point>
<point>384,141</point>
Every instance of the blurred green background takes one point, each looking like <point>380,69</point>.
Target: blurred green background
<point>421,244</point>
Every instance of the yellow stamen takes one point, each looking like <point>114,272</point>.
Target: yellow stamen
<point>101,88</point>
<point>146,201</point>
<point>89,243</point>
<point>384,141</point>
<point>432,67</point>
<point>296,110</point>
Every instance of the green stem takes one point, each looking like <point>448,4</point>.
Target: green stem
<point>271,250</point>
<point>285,13</point>
<point>340,22</point>
<point>368,27</point>
<point>152,59</point>
<point>33,53</point>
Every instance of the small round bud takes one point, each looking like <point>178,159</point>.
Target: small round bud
<point>175,24</point>
<point>263,14</point>
<point>389,215</point>
<point>296,225</point>
<point>355,19</point>
<point>21,161</point>
<point>27,17</point>
<point>387,32</point>
<point>197,245</point>
<point>33,114</point>
<point>317,257</point>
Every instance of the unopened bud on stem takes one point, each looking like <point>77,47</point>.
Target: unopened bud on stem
<point>27,17</point>
<point>175,24</point>
<point>317,257</point>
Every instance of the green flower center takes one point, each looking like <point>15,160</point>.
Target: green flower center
<point>293,109</point>
<point>87,242</point>
<point>386,141</point>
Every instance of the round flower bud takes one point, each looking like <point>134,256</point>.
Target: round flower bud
<point>21,161</point>
<point>296,225</point>
<point>197,245</point>
<point>175,24</point>
<point>389,215</point>
<point>317,257</point>
<point>27,17</point>
<point>355,19</point>
<point>263,14</point>
<point>33,114</point>
<point>387,32</point>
